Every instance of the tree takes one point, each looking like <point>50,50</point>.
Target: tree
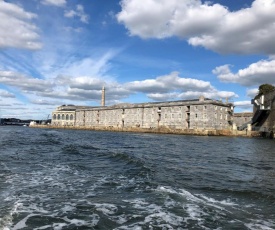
<point>265,89</point>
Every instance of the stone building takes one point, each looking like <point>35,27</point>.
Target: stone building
<point>241,120</point>
<point>202,113</point>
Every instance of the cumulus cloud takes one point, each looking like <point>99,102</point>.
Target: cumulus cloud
<point>55,2</point>
<point>254,75</point>
<point>78,13</point>
<point>44,102</point>
<point>213,94</point>
<point>243,105</point>
<point>167,83</point>
<point>6,94</point>
<point>252,92</point>
<point>25,36</point>
<point>172,86</point>
<point>248,30</point>
<point>23,82</point>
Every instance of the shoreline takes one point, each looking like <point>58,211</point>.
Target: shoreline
<point>161,130</point>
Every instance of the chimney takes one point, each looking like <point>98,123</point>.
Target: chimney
<point>103,96</point>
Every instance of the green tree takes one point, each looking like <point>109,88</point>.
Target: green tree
<point>265,89</point>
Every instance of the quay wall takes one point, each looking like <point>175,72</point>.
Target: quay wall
<point>160,130</point>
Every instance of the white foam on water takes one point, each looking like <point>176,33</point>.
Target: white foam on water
<point>59,226</point>
<point>261,225</point>
<point>198,198</point>
<point>106,209</point>
<point>212,200</point>
<point>94,218</point>
<point>67,208</point>
<point>43,227</point>
<point>166,217</point>
<point>155,215</point>
<point>130,227</point>
<point>22,223</point>
<point>6,221</point>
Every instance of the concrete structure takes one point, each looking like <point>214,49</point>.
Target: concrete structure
<point>264,113</point>
<point>200,113</point>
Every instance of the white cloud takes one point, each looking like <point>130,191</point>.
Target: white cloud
<point>44,102</point>
<point>167,83</point>
<point>243,105</point>
<point>23,82</point>
<point>172,86</point>
<point>55,2</point>
<point>16,28</point>
<point>252,92</point>
<point>248,30</point>
<point>6,94</point>
<point>213,94</point>
<point>79,13</point>
<point>254,75</point>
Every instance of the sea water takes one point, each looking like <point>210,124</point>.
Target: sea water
<point>73,179</point>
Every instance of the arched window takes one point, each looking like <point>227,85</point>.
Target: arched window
<point>54,117</point>
<point>63,117</point>
<point>71,117</point>
<point>67,117</point>
<point>58,117</point>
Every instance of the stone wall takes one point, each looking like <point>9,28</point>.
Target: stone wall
<point>242,118</point>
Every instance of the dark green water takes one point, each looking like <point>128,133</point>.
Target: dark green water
<point>67,179</point>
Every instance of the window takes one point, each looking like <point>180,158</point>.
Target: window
<point>58,117</point>
<point>71,117</point>
<point>63,117</point>
<point>54,117</point>
<point>67,117</point>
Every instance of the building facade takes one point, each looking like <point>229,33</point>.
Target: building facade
<point>241,120</point>
<point>200,113</point>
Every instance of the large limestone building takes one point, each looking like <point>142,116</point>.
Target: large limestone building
<point>199,113</point>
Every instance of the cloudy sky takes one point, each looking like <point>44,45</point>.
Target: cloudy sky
<point>55,52</point>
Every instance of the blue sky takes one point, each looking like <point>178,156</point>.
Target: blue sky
<point>55,52</point>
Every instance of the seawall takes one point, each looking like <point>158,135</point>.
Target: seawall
<point>160,130</point>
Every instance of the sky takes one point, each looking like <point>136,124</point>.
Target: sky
<point>55,52</point>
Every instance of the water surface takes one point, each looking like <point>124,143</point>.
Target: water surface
<point>71,179</point>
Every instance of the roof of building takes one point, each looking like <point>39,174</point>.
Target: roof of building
<point>146,105</point>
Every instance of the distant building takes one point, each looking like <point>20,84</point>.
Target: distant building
<point>202,113</point>
<point>241,120</point>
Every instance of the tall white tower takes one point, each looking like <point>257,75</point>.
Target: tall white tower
<point>103,96</point>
